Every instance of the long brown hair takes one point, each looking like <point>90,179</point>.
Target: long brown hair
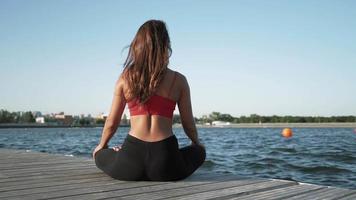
<point>147,60</point>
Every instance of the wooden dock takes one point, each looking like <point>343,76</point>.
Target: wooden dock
<point>34,175</point>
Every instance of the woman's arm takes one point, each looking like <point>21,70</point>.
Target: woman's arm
<point>186,113</point>
<point>113,120</point>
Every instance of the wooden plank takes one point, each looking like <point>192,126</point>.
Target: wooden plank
<point>45,156</point>
<point>55,186</point>
<point>72,184</point>
<point>349,197</point>
<point>30,164</point>
<point>48,165</point>
<point>191,190</point>
<point>52,171</point>
<point>325,193</point>
<point>166,189</point>
<point>34,170</point>
<point>33,159</point>
<point>53,183</point>
<point>256,187</point>
<point>57,178</point>
<point>40,178</point>
<point>281,193</point>
<point>96,188</point>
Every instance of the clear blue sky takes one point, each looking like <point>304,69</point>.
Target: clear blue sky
<point>240,57</point>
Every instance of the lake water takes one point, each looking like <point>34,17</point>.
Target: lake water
<point>324,156</point>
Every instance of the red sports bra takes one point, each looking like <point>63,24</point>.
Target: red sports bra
<point>155,105</point>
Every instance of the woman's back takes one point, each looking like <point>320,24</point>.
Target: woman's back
<point>155,127</point>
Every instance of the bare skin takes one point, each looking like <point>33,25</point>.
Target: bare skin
<point>151,127</point>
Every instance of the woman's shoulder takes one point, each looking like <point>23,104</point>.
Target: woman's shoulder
<point>120,84</point>
<point>120,81</point>
<point>180,78</point>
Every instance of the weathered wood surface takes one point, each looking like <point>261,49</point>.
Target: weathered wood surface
<point>34,175</point>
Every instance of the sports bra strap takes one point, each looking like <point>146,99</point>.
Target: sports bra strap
<point>170,88</point>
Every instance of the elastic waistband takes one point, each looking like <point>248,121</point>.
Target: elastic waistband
<point>133,139</point>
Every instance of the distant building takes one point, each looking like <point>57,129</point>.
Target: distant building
<point>36,114</point>
<point>40,120</point>
<point>64,119</point>
<point>220,123</point>
<point>102,116</point>
<point>124,120</point>
<point>20,113</point>
<point>76,116</point>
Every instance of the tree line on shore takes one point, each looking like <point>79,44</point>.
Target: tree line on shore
<point>255,118</point>
<point>20,117</point>
<point>27,117</point>
<point>16,117</point>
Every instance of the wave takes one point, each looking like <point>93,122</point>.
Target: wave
<point>337,157</point>
<point>271,160</point>
<point>323,169</point>
<point>320,169</point>
<point>283,150</point>
<point>209,163</point>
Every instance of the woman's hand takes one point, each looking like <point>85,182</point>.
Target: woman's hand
<point>98,148</point>
<point>198,143</point>
<point>116,148</point>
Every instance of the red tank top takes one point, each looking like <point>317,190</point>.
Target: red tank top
<point>155,105</point>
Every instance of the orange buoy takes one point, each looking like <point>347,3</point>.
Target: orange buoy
<point>287,132</point>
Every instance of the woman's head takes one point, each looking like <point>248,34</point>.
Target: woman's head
<point>147,59</point>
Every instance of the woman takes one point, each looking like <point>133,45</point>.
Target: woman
<point>151,90</point>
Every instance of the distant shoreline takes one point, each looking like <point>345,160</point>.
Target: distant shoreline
<point>34,125</point>
<point>240,125</point>
<point>285,125</point>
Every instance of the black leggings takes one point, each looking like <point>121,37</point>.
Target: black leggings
<point>155,161</point>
